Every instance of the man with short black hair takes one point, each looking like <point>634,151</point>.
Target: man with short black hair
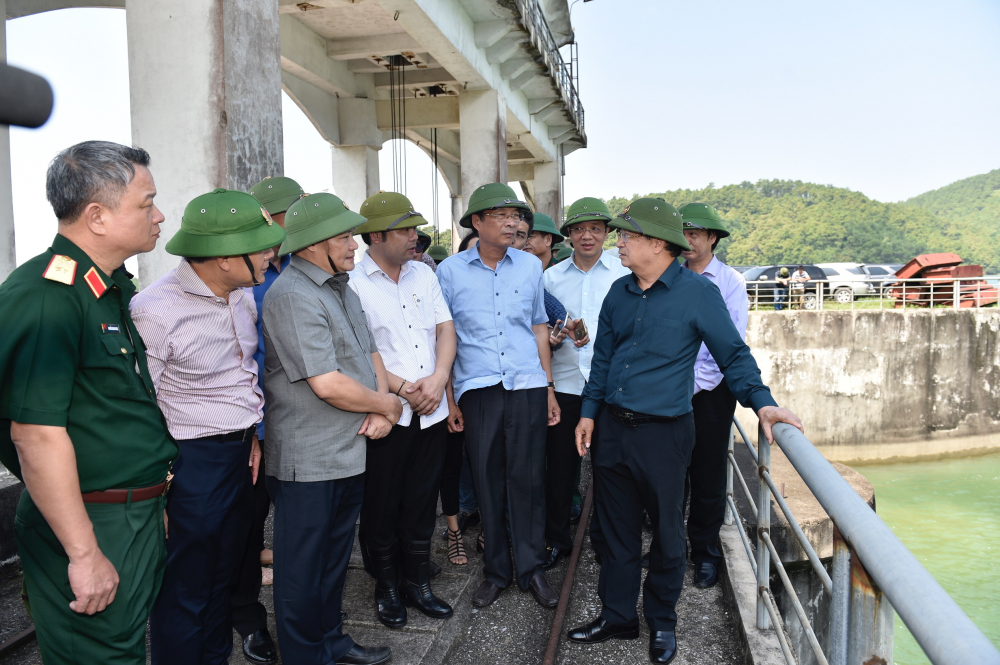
<point>542,236</point>
<point>79,422</point>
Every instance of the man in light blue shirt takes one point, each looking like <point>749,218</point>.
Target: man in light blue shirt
<point>580,283</point>
<point>713,403</point>
<point>500,374</point>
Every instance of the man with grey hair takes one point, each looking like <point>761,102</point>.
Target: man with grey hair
<point>79,422</point>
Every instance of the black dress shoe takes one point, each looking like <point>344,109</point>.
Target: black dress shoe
<point>486,594</point>
<point>416,586</point>
<point>359,655</point>
<point>662,646</point>
<point>555,553</point>
<point>600,630</point>
<point>258,647</point>
<point>706,574</point>
<point>543,592</point>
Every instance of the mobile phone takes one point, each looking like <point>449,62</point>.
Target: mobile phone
<point>581,330</point>
<point>558,329</point>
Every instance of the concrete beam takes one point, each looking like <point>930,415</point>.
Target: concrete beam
<point>303,54</point>
<point>538,104</point>
<point>515,67</point>
<point>441,112</point>
<point>362,47</point>
<point>520,156</point>
<point>489,33</point>
<point>504,49</point>
<point>524,79</point>
<point>549,112</point>
<point>358,124</point>
<point>555,131</point>
<point>355,174</point>
<point>218,125</point>
<point>449,149</point>
<point>519,172</point>
<point>292,6</point>
<point>318,105</point>
<point>19,8</point>
<point>548,190</point>
<point>483,135</point>
<point>8,254</point>
<point>418,78</point>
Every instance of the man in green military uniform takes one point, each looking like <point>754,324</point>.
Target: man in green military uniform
<point>79,422</point>
<point>542,239</point>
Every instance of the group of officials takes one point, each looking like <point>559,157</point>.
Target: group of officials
<point>153,430</point>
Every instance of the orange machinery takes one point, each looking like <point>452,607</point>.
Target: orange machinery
<point>938,275</point>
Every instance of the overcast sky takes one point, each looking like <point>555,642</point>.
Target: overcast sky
<point>889,98</point>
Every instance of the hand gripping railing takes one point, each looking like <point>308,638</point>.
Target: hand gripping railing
<point>864,547</point>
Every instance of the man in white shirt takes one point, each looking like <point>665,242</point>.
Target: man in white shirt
<point>415,335</point>
<point>713,403</point>
<point>580,284</point>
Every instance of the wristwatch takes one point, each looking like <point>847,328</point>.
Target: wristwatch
<point>552,384</point>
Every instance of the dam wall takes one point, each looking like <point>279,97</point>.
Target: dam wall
<point>884,384</point>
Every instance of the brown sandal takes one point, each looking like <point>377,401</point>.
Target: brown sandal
<point>456,549</point>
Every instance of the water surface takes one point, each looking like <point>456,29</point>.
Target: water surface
<point>948,513</point>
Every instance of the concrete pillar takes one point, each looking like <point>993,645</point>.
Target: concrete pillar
<point>482,117</point>
<point>8,255</point>
<point>205,87</point>
<point>548,190</point>
<point>355,173</point>
<point>457,232</point>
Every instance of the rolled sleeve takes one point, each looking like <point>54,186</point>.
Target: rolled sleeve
<point>301,336</point>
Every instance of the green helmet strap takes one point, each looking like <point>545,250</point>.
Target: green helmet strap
<point>253,273</point>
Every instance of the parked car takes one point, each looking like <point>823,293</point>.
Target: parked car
<point>882,275</point>
<point>847,281</point>
<point>761,282</point>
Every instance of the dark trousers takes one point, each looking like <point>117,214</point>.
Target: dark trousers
<point>640,468</point>
<point>451,474</point>
<point>402,476</point>
<point>249,614</point>
<point>209,526</point>
<point>562,466</point>
<point>313,536</point>
<point>505,437</point>
<point>713,420</point>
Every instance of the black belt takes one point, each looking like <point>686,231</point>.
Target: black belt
<point>633,419</point>
<point>239,435</point>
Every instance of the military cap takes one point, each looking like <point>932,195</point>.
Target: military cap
<point>276,194</point>
<point>438,253</point>
<point>564,253</point>
<point>587,209</point>
<point>386,211</point>
<point>654,218</point>
<point>423,236</point>
<point>225,223</point>
<point>702,216</point>
<point>545,224</point>
<point>314,218</point>
<point>492,196</point>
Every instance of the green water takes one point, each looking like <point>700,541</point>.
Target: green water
<point>948,513</point>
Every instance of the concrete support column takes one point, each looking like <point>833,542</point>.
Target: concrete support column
<point>355,173</point>
<point>8,255</point>
<point>205,87</point>
<point>457,232</point>
<point>548,190</point>
<point>482,117</point>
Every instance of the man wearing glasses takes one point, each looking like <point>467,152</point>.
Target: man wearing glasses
<point>652,326</point>
<point>581,284</point>
<point>500,374</point>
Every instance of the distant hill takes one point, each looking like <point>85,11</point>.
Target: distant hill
<point>786,221</point>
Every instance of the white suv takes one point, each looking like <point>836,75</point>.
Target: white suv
<point>846,281</point>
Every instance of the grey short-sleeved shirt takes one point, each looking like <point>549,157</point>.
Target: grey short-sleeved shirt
<point>313,325</point>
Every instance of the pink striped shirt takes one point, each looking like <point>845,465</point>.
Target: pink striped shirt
<point>200,351</point>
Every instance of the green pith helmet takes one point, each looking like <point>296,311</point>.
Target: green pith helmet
<point>491,196</point>
<point>423,236</point>
<point>564,253</point>
<point>438,253</point>
<point>783,272</point>
<point>654,218</point>
<point>703,216</point>
<point>224,223</point>
<point>587,209</point>
<point>276,194</point>
<point>316,217</point>
<point>544,224</point>
<point>387,211</point>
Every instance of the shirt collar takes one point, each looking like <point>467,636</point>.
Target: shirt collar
<point>63,245</point>
<point>471,255</point>
<point>284,263</point>
<point>191,282</point>
<point>370,267</point>
<point>667,278</point>
<point>604,260</point>
<point>713,268</point>
<point>312,271</point>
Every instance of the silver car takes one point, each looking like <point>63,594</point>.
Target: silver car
<point>846,281</point>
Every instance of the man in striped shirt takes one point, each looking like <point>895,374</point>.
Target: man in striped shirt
<point>199,325</point>
<point>415,335</point>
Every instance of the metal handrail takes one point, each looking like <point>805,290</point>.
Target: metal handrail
<point>940,627</point>
<point>541,38</point>
<point>890,293</point>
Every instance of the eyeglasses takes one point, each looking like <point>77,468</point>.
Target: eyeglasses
<point>516,217</point>
<point>584,230</point>
<point>625,236</point>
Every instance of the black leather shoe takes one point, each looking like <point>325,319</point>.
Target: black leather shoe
<point>706,574</point>
<point>359,655</point>
<point>662,646</point>
<point>645,560</point>
<point>258,647</point>
<point>543,592</point>
<point>600,630</point>
<point>486,594</point>
<point>555,553</point>
<point>417,581</point>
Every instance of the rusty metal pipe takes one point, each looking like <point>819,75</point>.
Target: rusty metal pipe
<point>824,576</point>
<point>796,604</point>
<point>763,526</point>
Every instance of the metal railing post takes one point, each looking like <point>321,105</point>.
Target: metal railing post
<point>957,289</point>
<point>840,600</point>
<point>870,619</point>
<point>763,526</point>
<point>729,517</point>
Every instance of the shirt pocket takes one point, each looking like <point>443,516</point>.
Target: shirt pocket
<point>112,366</point>
<point>660,336</point>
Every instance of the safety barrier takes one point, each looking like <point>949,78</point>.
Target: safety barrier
<point>865,551</point>
<point>891,293</point>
